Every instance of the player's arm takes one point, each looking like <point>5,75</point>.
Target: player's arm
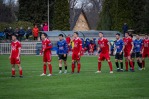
<point>142,48</point>
<point>10,53</point>
<point>19,51</point>
<point>49,46</point>
<point>98,49</point>
<point>80,47</point>
<point>132,47</point>
<point>65,49</point>
<point>57,51</point>
<point>109,47</point>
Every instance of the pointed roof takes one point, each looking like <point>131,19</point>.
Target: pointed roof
<point>74,20</point>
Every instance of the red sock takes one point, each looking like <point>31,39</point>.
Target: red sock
<point>73,66</point>
<point>79,66</point>
<point>99,66</point>
<point>13,72</point>
<point>20,71</point>
<point>143,64</point>
<point>50,68</point>
<point>131,64</point>
<point>110,65</point>
<point>44,68</point>
<point>126,64</point>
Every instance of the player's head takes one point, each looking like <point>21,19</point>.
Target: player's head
<point>117,36</point>
<point>75,34</point>
<point>14,37</point>
<point>60,36</point>
<point>100,34</point>
<point>126,34</point>
<point>43,36</point>
<point>130,35</point>
<point>138,36</point>
<point>146,36</point>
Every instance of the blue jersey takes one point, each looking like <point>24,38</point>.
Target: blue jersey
<point>137,45</point>
<point>119,45</point>
<point>62,47</point>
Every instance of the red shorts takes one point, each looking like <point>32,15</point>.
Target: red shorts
<point>103,56</point>
<point>14,60</point>
<point>47,58</point>
<point>144,55</point>
<point>127,54</point>
<point>75,56</point>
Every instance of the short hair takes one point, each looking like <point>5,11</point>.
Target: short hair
<point>101,32</point>
<point>131,35</point>
<point>118,34</point>
<point>44,34</point>
<point>14,35</point>
<point>138,34</point>
<point>76,33</point>
<point>61,35</point>
<point>127,33</point>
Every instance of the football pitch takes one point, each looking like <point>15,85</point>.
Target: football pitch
<point>86,85</point>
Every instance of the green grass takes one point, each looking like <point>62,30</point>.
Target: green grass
<point>86,85</point>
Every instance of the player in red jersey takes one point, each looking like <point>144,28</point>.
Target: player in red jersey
<point>128,49</point>
<point>104,48</point>
<point>145,50</point>
<point>46,50</point>
<point>15,55</point>
<point>76,54</point>
<point>91,48</point>
<point>68,40</point>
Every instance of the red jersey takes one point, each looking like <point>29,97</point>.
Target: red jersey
<point>128,44</point>
<point>77,45</point>
<point>103,44</point>
<point>46,46</point>
<point>146,45</point>
<point>68,40</point>
<point>91,47</point>
<point>15,46</point>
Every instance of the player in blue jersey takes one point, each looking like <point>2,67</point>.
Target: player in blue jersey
<point>138,47</point>
<point>62,53</point>
<point>118,49</point>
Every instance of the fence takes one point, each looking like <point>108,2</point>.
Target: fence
<point>27,48</point>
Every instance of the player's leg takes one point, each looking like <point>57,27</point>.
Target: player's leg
<point>73,63</point>
<point>73,66</point>
<point>121,63</point>
<point>100,58</point>
<point>107,57</point>
<point>17,61</point>
<point>50,68</point>
<point>126,63</point>
<point>116,61</point>
<point>131,63</point>
<point>44,69</point>
<point>117,65</point>
<point>110,65</point>
<point>65,63</point>
<point>13,70</point>
<point>60,66</point>
<point>20,70</point>
<point>139,61</point>
<point>143,63</point>
<point>12,61</point>
<point>79,66</point>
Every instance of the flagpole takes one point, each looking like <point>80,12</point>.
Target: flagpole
<point>48,15</point>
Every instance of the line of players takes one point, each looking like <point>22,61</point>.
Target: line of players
<point>138,47</point>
